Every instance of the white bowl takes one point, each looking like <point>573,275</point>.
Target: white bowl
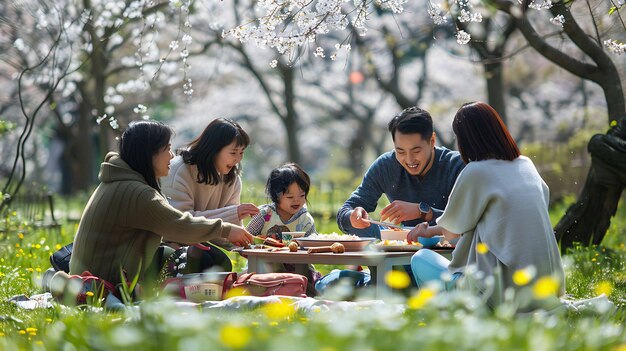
<point>390,234</point>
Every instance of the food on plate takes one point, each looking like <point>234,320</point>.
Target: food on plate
<point>397,243</point>
<point>263,240</point>
<point>444,243</point>
<point>334,248</point>
<point>293,246</point>
<point>333,236</point>
<point>337,248</point>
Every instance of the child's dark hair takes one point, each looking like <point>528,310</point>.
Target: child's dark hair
<point>204,149</point>
<point>282,177</point>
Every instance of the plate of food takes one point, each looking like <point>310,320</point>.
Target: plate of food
<point>350,242</point>
<point>397,245</point>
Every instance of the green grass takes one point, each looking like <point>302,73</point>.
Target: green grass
<point>457,321</point>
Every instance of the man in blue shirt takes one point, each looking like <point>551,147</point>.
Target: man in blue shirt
<point>416,177</point>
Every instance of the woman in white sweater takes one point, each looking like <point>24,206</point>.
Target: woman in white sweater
<point>498,208</point>
<point>204,180</point>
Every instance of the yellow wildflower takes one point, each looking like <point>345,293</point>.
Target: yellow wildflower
<point>89,293</point>
<point>20,236</point>
<point>235,292</point>
<point>421,298</point>
<point>482,248</point>
<point>279,310</point>
<point>545,287</point>
<point>604,287</point>
<point>613,123</point>
<point>522,277</point>
<point>235,336</point>
<point>22,332</point>
<point>31,330</point>
<point>397,279</point>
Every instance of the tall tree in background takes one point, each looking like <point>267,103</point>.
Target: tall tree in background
<point>587,220</point>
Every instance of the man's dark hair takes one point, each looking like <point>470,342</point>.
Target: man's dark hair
<point>139,142</point>
<point>412,120</point>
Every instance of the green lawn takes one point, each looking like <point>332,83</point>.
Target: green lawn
<point>457,321</point>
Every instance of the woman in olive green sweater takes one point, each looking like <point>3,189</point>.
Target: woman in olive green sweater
<point>127,216</point>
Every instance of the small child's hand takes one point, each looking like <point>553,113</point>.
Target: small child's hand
<point>245,210</point>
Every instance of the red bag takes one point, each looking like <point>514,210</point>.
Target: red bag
<point>267,284</point>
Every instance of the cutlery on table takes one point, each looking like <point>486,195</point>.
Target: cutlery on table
<point>386,224</point>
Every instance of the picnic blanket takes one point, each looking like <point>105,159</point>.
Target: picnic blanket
<point>597,305</point>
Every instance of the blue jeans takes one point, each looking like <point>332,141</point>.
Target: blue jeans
<point>428,265</point>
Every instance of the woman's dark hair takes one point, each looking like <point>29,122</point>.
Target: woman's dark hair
<point>202,151</point>
<point>140,142</point>
<point>412,120</point>
<point>481,134</point>
<point>282,177</point>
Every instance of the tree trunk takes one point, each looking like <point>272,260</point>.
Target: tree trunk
<point>290,120</point>
<point>494,77</point>
<point>588,219</point>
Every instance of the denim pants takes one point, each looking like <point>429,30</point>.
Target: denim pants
<point>428,266</point>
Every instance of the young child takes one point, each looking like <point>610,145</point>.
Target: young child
<point>287,187</point>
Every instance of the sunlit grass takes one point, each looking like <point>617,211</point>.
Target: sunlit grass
<point>432,320</point>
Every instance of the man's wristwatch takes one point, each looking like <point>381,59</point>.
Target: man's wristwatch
<point>426,213</point>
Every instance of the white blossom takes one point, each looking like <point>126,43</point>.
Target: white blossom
<point>319,52</point>
<point>615,46</point>
<point>558,20</point>
<point>100,119</point>
<point>113,123</point>
<point>462,37</point>
<point>140,109</point>
<point>437,14</point>
<point>273,63</point>
<point>539,4</point>
<point>187,39</point>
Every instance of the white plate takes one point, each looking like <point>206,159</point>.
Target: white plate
<point>350,245</point>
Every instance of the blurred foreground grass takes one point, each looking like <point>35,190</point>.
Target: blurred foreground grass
<point>437,321</point>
